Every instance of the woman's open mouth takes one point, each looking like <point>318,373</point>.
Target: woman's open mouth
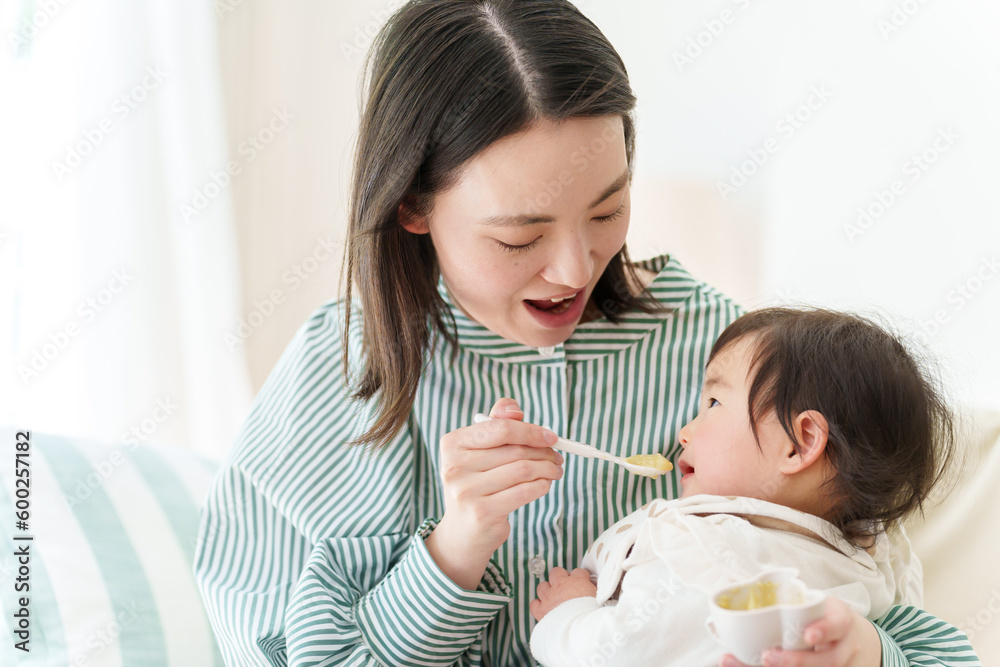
<point>558,312</point>
<point>553,306</point>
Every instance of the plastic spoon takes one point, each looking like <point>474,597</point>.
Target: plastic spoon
<point>591,452</point>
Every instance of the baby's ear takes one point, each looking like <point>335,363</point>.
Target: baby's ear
<point>811,431</point>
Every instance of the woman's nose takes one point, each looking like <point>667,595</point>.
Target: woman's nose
<point>571,264</point>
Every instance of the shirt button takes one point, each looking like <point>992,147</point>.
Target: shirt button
<point>546,351</point>
<point>536,566</point>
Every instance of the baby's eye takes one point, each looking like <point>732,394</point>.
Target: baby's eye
<point>712,403</point>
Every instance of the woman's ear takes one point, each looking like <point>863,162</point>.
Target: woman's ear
<point>410,219</point>
<point>811,431</point>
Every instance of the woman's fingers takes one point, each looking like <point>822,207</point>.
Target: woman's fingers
<point>506,408</point>
<point>491,469</point>
<point>832,627</point>
<point>509,475</point>
<point>487,496</point>
<point>498,454</point>
<point>499,432</point>
<point>478,460</point>
<point>506,501</point>
<point>841,638</point>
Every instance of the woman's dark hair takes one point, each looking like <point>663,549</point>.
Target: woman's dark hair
<point>891,434</point>
<point>446,79</point>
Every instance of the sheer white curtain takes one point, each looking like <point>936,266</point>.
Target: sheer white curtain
<point>119,277</point>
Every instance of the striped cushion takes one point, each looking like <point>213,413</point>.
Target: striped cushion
<point>115,530</point>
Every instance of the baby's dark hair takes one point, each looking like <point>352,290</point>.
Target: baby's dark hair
<point>891,434</point>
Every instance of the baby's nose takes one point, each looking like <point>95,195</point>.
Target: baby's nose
<point>684,436</point>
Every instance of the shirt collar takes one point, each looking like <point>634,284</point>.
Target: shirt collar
<point>671,287</point>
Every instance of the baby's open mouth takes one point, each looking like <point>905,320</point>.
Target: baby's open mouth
<point>684,467</point>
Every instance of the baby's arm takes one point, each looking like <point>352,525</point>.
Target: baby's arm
<point>561,586</point>
<point>646,623</point>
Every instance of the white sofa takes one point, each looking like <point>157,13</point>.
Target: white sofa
<point>115,528</point>
<point>959,539</point>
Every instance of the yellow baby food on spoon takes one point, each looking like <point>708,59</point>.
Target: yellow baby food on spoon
<point>657,461</point>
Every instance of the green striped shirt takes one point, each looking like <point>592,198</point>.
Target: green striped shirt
<point>309,555</point>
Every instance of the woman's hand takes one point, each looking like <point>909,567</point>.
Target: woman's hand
<point>842,638</point>
<point>488,470</point>
<point>561,586</point>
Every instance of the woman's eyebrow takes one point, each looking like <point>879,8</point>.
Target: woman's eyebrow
<point>613,188</point>
<point>515,220</point>
<point>521,220</point>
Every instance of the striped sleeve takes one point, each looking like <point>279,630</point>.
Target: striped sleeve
<point>911,636</point>
<point>246,564</point>
<point>311,551</point>
<point>353,606</point>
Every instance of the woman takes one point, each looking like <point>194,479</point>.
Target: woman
<point>360,518</point>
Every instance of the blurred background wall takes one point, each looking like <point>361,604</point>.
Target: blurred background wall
<point>835,153</point>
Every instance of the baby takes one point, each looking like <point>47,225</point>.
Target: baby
<point>817,432</point>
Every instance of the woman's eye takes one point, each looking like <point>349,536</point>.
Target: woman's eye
<point>712,403</point>
<point>614,216</point>
<point>517,248</point>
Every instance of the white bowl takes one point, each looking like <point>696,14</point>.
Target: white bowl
<point>747,633</point>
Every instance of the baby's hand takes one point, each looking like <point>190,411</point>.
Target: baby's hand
<point>561,586</point>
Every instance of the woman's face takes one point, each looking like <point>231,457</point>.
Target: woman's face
<point>536,216</point>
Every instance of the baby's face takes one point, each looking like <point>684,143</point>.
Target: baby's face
<point>720,454</point>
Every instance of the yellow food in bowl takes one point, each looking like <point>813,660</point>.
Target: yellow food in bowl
<point>657,461</point>
<point>756,595</point>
